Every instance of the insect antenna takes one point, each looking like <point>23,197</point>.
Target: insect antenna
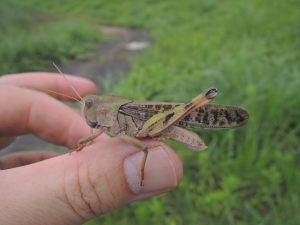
<point>57,93</point>
<point>70,85</point>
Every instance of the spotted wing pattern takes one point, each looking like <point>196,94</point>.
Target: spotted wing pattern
<point>207,116</point>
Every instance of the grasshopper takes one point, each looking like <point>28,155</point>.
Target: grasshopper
<point>130,120</point>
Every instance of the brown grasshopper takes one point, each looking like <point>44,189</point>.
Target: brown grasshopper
<point>130,120</point>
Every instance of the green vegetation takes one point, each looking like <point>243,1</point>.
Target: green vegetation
<point>31,40</point>
<point>248,49</point>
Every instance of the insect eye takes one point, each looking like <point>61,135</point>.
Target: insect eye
<point>88,103</point>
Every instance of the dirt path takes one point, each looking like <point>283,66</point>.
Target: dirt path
<point>110,60</point>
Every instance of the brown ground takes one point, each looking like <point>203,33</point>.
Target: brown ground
<point>110,60</point>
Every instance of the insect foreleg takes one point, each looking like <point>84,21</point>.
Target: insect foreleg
<point>86,140</point>
<point>136,142</point>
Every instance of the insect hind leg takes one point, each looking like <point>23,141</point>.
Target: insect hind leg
<point>190,139</point>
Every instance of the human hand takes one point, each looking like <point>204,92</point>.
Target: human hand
<point>43,188</point>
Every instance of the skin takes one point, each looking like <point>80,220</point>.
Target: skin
<point>41,187</point>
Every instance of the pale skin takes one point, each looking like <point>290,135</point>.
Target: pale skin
<point>75,187</point>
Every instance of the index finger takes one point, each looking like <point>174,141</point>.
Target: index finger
<point>47,82</point>
<point>27,111</point>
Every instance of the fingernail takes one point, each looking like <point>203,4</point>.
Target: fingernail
<point>160,172</point>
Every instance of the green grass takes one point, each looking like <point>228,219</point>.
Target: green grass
<point>250,51</point>
<point>31,40</point>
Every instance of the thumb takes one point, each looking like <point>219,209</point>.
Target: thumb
<point>76,187</point>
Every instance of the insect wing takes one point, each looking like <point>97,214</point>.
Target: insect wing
<point>214,116</point>
<point>161,121</point>
<point>144,110</point>
<point>211,116</point>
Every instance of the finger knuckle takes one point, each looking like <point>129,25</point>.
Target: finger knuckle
<point>78,192</point>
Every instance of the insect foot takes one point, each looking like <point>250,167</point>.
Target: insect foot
<point>163,170</point>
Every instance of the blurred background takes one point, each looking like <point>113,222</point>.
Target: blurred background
<point>171,51</point>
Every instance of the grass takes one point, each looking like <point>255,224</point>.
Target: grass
<point>31,40</point>
<point>249,50</point>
